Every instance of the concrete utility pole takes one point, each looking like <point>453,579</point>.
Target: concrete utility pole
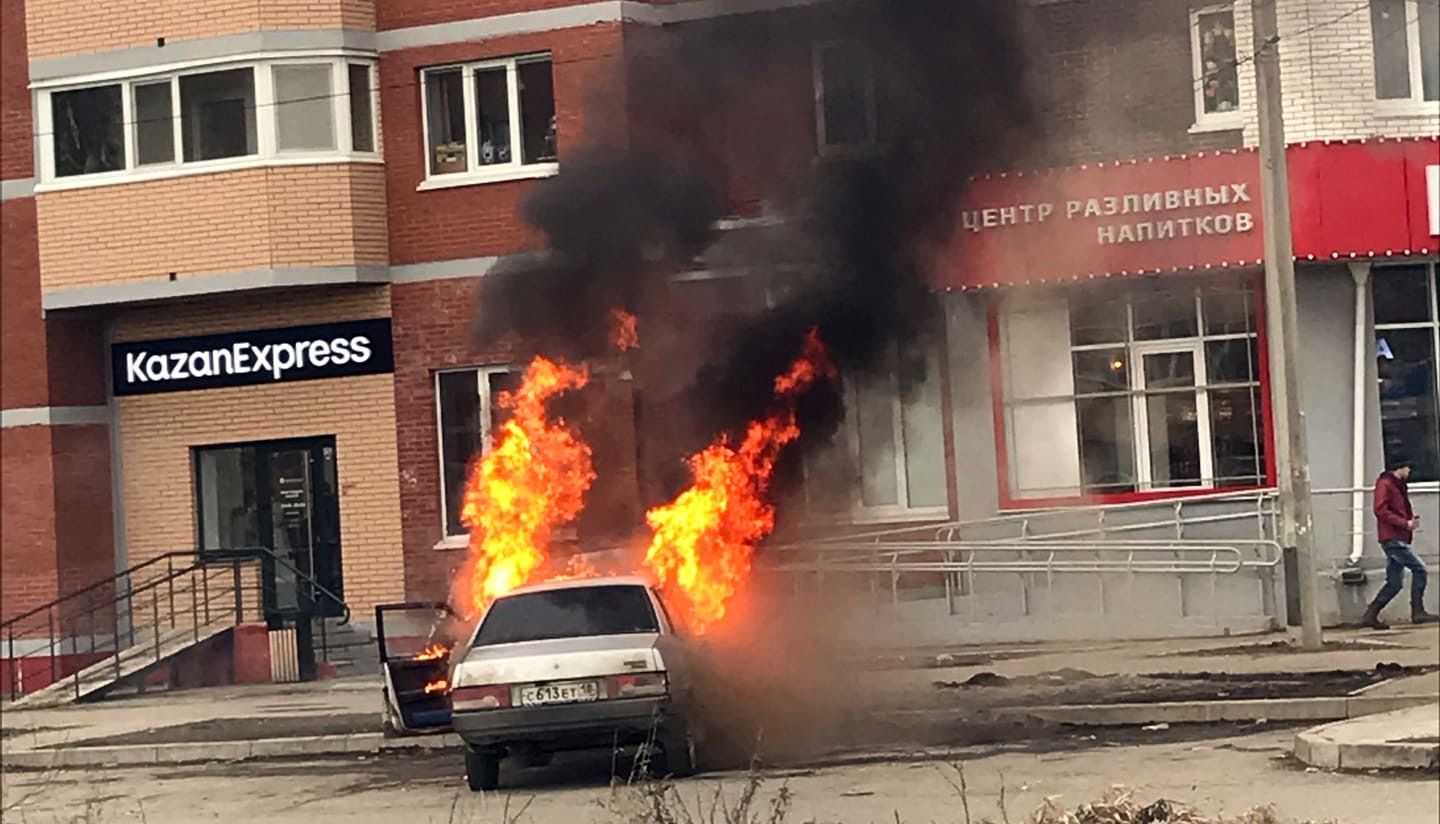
<point>1281,316</point>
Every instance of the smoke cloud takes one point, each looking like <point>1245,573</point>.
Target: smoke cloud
<point>619,222</point>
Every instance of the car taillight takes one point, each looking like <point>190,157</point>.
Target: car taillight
<point>480,698</point>
<point>638,685</point>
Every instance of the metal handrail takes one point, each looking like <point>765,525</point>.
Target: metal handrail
<point>162,585</point>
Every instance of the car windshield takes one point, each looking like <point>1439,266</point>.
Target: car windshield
<point>568,613</point>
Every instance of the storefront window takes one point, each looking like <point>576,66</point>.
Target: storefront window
<point>887,460</point>
<point>1162,391</point>
<point>1407,337</point>
<point>469,414</point>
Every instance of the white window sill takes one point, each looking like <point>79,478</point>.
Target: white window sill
<point>1407,108</point>
<point>203,167</point>
<point>450,542</point>
<point>1229,122</point>
<point>453,542</point>
<point>451,181</point>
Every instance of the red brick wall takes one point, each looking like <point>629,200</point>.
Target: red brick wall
<point>483,219</point>
<point>28,575</point>
<point>23,379</point>
<point>15,130</point>
<point>84,529</point>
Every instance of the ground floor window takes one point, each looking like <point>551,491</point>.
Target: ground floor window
<point>888,458</point>
<point>1147,387</point>
<point>1407,338</point>
<point>468,409</point>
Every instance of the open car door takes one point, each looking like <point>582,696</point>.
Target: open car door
<point>415,640</point>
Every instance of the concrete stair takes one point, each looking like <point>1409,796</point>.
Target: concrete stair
<point>351,648</point>
<point>133,660</point>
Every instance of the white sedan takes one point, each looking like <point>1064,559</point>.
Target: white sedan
<point>573,665</point>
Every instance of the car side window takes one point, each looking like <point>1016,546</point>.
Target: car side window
<point>675,628</point>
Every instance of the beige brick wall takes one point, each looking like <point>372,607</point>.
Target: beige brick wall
<point>157,433</point>
<point>281,216</point>
<point>55,28</point>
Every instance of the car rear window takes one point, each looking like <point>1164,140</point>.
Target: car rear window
<point>568,613</point>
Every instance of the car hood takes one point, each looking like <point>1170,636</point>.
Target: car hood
<point>559,659</point>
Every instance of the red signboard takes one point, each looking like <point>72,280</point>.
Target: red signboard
<point>1187,213</point>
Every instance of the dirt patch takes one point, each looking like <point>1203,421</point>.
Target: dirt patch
<point>242,729</point>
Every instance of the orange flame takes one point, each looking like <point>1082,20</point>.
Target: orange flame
<point>533,480</point>
<point>704,540</point>
<point>624,334</point>
<point>434,652</point>
<point>436,686</point>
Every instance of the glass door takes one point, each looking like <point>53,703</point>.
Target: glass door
<point>280,495</point>
<point>1173,415</point>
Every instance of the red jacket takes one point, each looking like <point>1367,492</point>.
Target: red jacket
<point>1392,509</point>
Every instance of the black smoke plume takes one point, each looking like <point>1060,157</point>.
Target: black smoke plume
<point>950,99</point>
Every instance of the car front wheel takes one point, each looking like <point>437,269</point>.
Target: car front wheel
<point>482,769</point>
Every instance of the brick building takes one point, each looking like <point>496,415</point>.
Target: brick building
<point>300,177</point>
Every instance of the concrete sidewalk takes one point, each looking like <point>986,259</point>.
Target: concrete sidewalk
<point>344,717</point>
<point>1404,739</point>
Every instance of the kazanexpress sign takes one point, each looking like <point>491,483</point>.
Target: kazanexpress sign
<point>263,356</point>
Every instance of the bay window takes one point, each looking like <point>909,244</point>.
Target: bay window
<point>1133,390</point>
<point>888,458</point>
<point>201,119</point>
<point>468,413</point>
<point>1407,338</point>
<point>493,120</point>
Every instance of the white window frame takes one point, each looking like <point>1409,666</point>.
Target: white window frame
<point>266,122</point>
<point>486,402</point>
<point>1135,350</point>
<point>1433,325</point>
<point>848,438</point>
<point>824,148</point>
<point>1415,104</point>
<point>1140,409</point>
<point>1210,121</point>
<point>475,173</point>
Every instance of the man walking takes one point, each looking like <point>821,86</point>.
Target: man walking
<point>1396,522</point>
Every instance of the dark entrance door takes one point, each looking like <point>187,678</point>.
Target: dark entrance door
<point>281,495</point>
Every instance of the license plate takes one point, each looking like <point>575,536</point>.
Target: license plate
<point>575,692</point>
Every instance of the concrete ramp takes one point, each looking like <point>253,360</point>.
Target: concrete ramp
<point>96,679</point>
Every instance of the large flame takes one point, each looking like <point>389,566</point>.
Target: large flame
<point>532,481</point>
<point>704,540</point>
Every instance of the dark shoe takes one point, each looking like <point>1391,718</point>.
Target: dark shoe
<point>1422,617</point>
<point>1372,620</point>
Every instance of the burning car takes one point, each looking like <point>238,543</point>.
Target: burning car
<point>570,665</point>
<point>415,640</point>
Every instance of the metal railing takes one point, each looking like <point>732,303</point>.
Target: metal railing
<point>1114,545</point>
<point>139,611</point>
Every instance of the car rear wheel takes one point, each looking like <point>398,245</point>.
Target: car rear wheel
<point>678,745</point>
<point>482,770</point>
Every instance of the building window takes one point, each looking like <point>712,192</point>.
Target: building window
<point>1407,338</point>
<point>888,458</point>
<point>89,130</point>
<point>152,125</point>
<point>1215,67</point>
<point>1119,392</point>
<point>469,413</point>
<point>1406,37</point>
<point>856,107</point>
<point>490,121</point>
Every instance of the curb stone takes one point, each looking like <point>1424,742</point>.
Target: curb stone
<point>1203,712</point>
<point>137,755</point>
<point>1325,747</point>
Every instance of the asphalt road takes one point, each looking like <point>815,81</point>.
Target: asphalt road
<point>1217,775</point>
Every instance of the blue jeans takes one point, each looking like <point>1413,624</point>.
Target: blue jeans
<point>1399,557</point>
